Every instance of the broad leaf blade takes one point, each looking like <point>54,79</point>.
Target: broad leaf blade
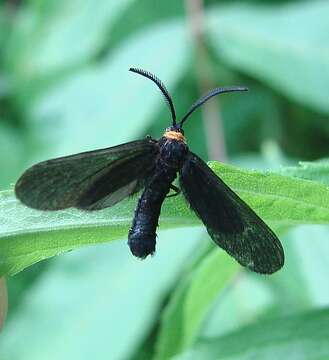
<point>83,294</point>
<point>316,171</point>
<point>285,46</point>
<point>279,200</point>
<point>68,37</point>
<point>298,337</point>
<point>212,276</point>
<point>28,236</point>
<point>192,300</point>
<point>107,102</point>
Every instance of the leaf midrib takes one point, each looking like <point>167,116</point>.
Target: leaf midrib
<point>273,196</point>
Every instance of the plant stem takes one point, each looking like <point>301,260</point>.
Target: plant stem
<point>210,111</point>
<point>3,301</point>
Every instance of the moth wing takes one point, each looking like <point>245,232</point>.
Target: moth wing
<point>230,222</point>
<point>89,180</point>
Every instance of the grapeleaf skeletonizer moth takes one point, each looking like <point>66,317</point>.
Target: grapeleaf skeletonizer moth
<point>98,179</point>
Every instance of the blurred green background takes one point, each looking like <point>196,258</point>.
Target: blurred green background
<point>65,88</point>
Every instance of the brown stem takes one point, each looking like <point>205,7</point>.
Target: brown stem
<point>3,301</point>
<point>210,111</point>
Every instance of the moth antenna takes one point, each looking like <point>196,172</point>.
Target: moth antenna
<point>163,89</point>
<point>206,97</point>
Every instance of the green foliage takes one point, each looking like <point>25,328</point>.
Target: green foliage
<point>191,302</point>
<point>317,171</point>
<point>103,289</point>
<point>62,33</point>
<point>300,337</point>
<point>284,46</point>
<point>65,88</point>
<point>29,236</point>
<point>102,85</point>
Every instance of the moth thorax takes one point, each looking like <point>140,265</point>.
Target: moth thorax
<point>174,135</point>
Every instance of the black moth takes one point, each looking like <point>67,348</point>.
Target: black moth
<point>98,179</point>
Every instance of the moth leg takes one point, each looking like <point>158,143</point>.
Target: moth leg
<point>149,137</point>
<point>176,189</point>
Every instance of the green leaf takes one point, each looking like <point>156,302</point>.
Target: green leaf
<point>11,154</point>
<point>4,26</point>
<point>62,33</point>
<point>304,336</point>
<point>298,287</point>
<point>191,301</point>
<point>28,236</point>
<point>91,297</point>
<point>211,277</point>
<point>107,104</point>
<point>316,171</point>
<point>285,46</point>
<point>310,287</point>
<point>170,337</point>
<point>280,200</point>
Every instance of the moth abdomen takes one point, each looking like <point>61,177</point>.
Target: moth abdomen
<point>142,235</point>
<point>141,243</point>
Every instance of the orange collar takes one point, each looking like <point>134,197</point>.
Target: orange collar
<point>174,135</point>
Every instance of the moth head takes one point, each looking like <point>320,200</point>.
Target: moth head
<point>177,126</point>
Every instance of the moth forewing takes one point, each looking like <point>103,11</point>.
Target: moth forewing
<point>68,181</point>
<point>230,222</point>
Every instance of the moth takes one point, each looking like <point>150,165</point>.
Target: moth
<point>99,179</point>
